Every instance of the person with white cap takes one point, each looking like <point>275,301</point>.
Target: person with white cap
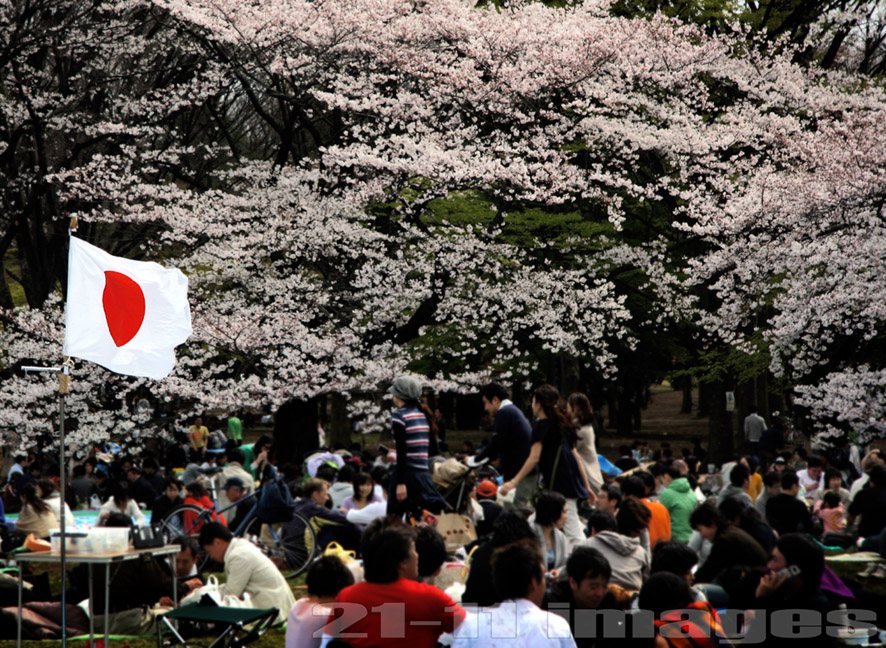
<point>411,488</point>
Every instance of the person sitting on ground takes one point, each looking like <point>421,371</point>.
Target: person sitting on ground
<point>170,500</point>
<point>432,554</point>
<point>679,500</point>
<point>519,576</point>
<point>247,570</point>
<point>140,488</point>
<point>771,488</point>
<point>778,591</point>
<point>833,482</point>
<point>829,509</point>
<point>36,516</point>
<point>390,564</point>
<point>739,481</point>
<point>870,504</point>
<point>748,519</point>
<point>487,493</point>
<point>83,486</point>
<point>618,539</point>
<point>329,525</point>
<point>730,545</point>
<point>668,597</point>
<point>234,459</point>
<point>812,477</point>
<point>53,498</point>
<point>120,502</point>
<point>511,526</point>
<point>197,495</point>
<point>377,507</point>
<point>236,493</point>
<point>642,484</point>
<point>785,513</point>
<point>326,577</point>
<point>587,588</point>
<point>609,498</point>
<point>342,487</point>
<point>550,518</point>
<point>185,567</point>
<point>364,493</point>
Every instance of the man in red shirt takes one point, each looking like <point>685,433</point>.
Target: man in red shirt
<point>391,608</point>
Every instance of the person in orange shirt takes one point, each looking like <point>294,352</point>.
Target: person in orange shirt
<point>660,522</point>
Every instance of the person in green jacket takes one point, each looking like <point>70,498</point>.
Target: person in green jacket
<point>679,499</point>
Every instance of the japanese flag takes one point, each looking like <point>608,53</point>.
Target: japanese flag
<point>125,315</point>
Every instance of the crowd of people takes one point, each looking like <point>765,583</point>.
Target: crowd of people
<point>662,544</point>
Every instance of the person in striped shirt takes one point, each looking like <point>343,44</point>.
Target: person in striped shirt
<point>413,427</point>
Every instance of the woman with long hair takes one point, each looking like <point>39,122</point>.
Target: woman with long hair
<point>553,451</point>
<point>410,489</point>
<point>579,409</point>
<point>120,502</point>
<point>36,516</point>
<point>196,494</point>
<point>51,495</point>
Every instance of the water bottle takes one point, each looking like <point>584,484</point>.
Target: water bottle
<point>95,502</point>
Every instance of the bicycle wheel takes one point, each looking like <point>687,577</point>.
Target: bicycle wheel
<point>293,550</point>
<point>174,527</point>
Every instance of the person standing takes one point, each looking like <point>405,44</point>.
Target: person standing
<point>198,434</point>
<point>578,407</point>
<point>410,489</point>
<point>510,443</point>
<point>553,451</point>
<point>235,429</point>
<point>754,426</point>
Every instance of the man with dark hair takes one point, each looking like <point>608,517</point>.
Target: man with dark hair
<point>679,500</point>
<point>811,478</point>
<point>510,527</point>
<point>626,460</point>
<point>587,588</point>
<point>739,480</point>
<point>870,504</point>
<point>432,554</point>
<point>771,488</point>
<point>784,512</point>
<point>730,545</point>
<point>609,498</point>
<point>151,472</point>
<point>390,564</point>
<point>519,576</point>
<point>510,443</point>
<point>754,426</point>
<point>140,489</point>
<point>83,487</point>
<point>247,569</point>
<point>170,500</point>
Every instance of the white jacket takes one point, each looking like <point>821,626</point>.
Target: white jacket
<point>247,569</point>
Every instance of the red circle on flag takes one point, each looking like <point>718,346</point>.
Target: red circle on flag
<point>124,304</point>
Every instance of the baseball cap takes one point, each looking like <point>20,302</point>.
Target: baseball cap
<point>486,488</point>
<point>233,481</point>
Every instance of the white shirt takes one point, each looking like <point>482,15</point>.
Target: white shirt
<point>247,569</point>
<point>132,510</point>
<point>806,481</point>
<point>516,624</point>
<point>368,513</point>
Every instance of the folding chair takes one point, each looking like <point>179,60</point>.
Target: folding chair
<point>236,620</point>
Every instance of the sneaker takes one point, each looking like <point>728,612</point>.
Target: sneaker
<point>869,570</point>
<point>880,572</point>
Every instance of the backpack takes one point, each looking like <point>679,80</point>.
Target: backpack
<point>275,503</point>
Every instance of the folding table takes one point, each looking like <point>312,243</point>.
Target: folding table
<point>235,618</point>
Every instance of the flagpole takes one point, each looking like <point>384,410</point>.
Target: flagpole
<point>64,387</point>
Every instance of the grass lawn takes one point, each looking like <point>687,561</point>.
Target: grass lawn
<point>274,638</point>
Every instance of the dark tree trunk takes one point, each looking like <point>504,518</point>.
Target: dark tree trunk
<point>720,441</point>
<point>338,430</point>
<point>686,386</point>
<point>295,431</point>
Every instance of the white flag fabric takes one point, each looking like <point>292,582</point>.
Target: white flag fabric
<point>125,315</point>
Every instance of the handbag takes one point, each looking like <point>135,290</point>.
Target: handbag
<point>210,594</point>
<point>148,536</point>
<point>457,530</point>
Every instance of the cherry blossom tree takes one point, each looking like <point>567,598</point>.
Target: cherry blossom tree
<point>359,188</point>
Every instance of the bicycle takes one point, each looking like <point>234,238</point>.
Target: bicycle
<point>296,554</point>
